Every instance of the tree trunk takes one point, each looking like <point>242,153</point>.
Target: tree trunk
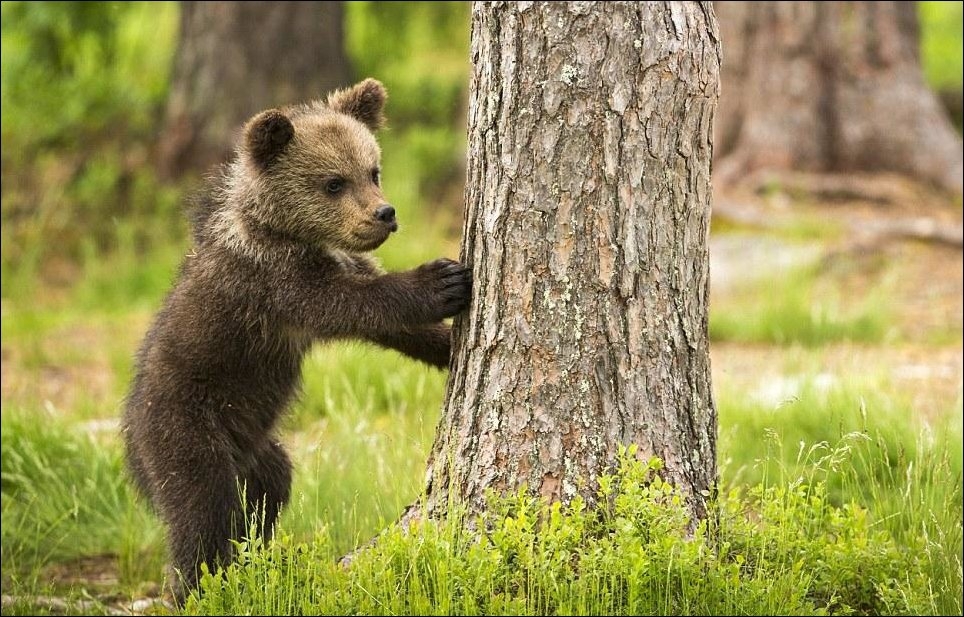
<point>587,212</point>
<point>237,58</point>
<point>830,86</point>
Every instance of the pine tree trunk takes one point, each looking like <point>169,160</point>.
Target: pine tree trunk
<point>830,86</point>
<point>588,206</point>
<point>235,59</point>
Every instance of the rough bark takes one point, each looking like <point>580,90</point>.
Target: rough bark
<point>829,86</point>
<point>235,59</point>
<point>587,210</point>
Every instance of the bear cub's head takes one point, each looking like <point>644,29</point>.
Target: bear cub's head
<point>316,170</point>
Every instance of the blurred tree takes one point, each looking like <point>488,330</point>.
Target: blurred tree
<point>588,207</point>
<point>237,58</point>
<point>829,86</point>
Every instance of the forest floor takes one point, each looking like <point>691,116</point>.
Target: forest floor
<point>868,248</point>
<point>874,243</point>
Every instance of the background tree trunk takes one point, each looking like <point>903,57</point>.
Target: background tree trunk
<point>829,86</point>
<point>588,206</point>
<point>237,58</point>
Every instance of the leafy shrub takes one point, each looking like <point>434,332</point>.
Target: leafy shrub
<point>769,550</point>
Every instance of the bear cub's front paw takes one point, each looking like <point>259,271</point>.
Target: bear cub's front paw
<point>447,286</point>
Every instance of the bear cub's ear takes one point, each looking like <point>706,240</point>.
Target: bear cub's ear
<point>364,101</point>
<point>266,136</point>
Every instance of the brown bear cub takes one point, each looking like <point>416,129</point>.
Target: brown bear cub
<point>278,263</point>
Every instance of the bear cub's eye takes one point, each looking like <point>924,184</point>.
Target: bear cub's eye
<point>334,186</point>
<point>376,177</point>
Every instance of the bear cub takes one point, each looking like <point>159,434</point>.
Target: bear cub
<point>278,263</point>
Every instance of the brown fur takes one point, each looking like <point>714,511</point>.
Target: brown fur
<point>365,102</point>
<point>277,264</point>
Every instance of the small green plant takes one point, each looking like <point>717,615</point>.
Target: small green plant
<point>863,444</point>
<point>770,550</point>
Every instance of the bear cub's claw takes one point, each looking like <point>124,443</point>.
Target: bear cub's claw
<point>448,285</point>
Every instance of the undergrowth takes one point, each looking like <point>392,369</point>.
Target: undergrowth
<point>784,548</point>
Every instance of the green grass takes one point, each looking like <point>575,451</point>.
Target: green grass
<point>941,47</point>
<point>862,442</point>
<point>835,499</point>
<point>362,431</point>
<point>65,497</point>
<point>852,506</point>
<point>802,312</point>
<point>814,414</point>
<point>780,549</point>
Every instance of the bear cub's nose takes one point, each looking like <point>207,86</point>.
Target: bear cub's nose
<point>386,214</point>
